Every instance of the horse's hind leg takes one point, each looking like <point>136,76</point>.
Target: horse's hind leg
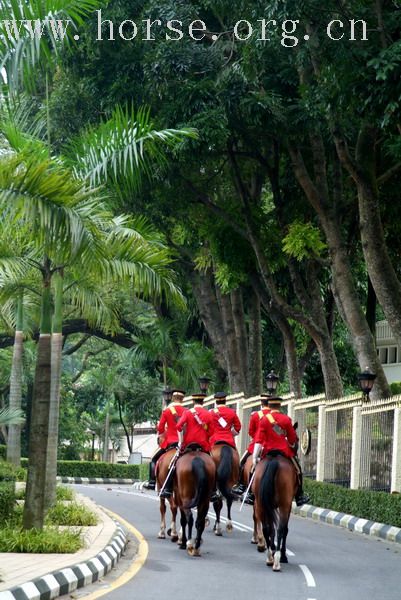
<point>282,533</point>
<point>162,532</point>
<point>267,534</point>
<point>173,529</point>
<point>200,526</point>
<point>218,505</point>
<point>183,522</point>
<point>229,526</point>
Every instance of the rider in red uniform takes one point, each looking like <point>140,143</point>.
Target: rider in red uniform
<point>195,429</point>
<point>256,416</point>
<point>167,430</point>
<point>225,422</point>
<point>276,434</point>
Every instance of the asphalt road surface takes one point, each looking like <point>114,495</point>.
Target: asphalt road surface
<point>325,562</point>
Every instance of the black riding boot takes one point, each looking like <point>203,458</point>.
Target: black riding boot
<point>151,483</point>
<point>168,486</point>
<point>300,497</point>
<point>239,488</point>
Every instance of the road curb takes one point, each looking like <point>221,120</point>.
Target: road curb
<point>67,580</point>
<point>350,522</point>
<point>94,480</point>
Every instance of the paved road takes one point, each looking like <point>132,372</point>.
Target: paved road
<point>328,563</point>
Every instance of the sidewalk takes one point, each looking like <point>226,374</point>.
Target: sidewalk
<point>46,576</point>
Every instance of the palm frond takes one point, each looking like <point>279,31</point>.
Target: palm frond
<point>11,416</point>
<point>126,146</point>
<point>20,49</point>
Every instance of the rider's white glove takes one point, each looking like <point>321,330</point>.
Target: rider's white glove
<point>255,455</point>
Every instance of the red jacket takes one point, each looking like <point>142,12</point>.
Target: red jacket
<point>224,418</point>
<point>276,432</point>
<point>254,421</point>
<point>167,426</point>
<point>198,425</point>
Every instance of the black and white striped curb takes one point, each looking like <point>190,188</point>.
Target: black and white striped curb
<point>385,532</point>
<point>87,480</point>
<point>138,485</point>
<point>67,580</point>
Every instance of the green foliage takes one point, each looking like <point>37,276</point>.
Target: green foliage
<point>375,506</point>
<point>7,497</point>
<point>48,541</point>
<point>64,493</point>
<point>9,470</point>
<point>3,451</point>
<point>395,388</point>
<point>71,514</point>
<point>303,240</point>
<point>75,468</point>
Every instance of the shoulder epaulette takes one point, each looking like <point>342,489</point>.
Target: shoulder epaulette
<point>260,414</point>
<point>172,410</point>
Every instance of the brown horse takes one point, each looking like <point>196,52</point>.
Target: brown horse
<point>194,482</point>
<point>274,486</point>
<point>162,468</point>
<point>226,459</point>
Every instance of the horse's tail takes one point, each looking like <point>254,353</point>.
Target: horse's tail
<point>267,489</point>
<point>224,471</point>
<point>202,488</point>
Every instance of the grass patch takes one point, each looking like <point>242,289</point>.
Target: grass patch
<point>71,514</point>
<point>50,540</point>
<point>64,493</point>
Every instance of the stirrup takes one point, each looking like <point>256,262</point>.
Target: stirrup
<point>149,485</point>
<point>215,496</point>
<point>250,499</point>
<point>302,499</point>
<point>166,494</point>
<point>239,489</point>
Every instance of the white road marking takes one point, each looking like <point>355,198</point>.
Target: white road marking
<point>310,582</point>
<point>241,526</point>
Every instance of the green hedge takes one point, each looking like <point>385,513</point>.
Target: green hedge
<point>7,491</point>
<point>380,507</point>
<point>82,468</point>
<point>3,451</point>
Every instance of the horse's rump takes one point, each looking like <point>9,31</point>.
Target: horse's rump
<point>227,463</point>
<point>195,478</point>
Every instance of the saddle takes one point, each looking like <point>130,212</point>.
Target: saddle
<point>193,448</point>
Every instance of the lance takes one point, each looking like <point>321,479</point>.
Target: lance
<point>247,490</point>
<point>171,468</point>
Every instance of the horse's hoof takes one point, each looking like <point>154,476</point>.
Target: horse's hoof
<point>169,531</point>
<point>261,548</point>
<point>253,541</point>
<point>162,536</point>
<point>207,522</point>
<point>229,527</point>
<point>269,562</point>
<point>174,538</point>
<point>182,546</point>
<point>218,532</point>
<point>284,559</point>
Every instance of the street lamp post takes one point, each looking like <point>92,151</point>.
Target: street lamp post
<point>366,380</point>
<point>93,445</point>
<point>167,395</point>
<point>204,383</point>
<point>271,383</point>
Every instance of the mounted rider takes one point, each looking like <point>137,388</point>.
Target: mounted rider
<point>195,428</point>
<point>276,435</point>
<point>254,420</point>
<point>167,430</point>
<point>226,423</point>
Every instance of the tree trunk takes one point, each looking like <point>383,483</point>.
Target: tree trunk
<point>255,346</point>
<point>34,507</point>
<point>106,437</point>
<point>14,431</point>
<point>210,314</point>
<point>241,335</point>
<point>235,375</point>
<point>54,415</point>
<point>290,352</point>
<point>343,286</point>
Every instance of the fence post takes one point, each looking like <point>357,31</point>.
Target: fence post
<point>326,442</point>
<point>360,452</point>
<point>242,438</point>
<point>396,459</point>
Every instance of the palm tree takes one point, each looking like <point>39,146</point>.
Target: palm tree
<point>10,416</point>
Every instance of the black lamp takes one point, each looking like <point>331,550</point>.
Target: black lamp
<point>167,395</point>
<point>366,380</point>
<point>271,383</point>
<point>204,383</point>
